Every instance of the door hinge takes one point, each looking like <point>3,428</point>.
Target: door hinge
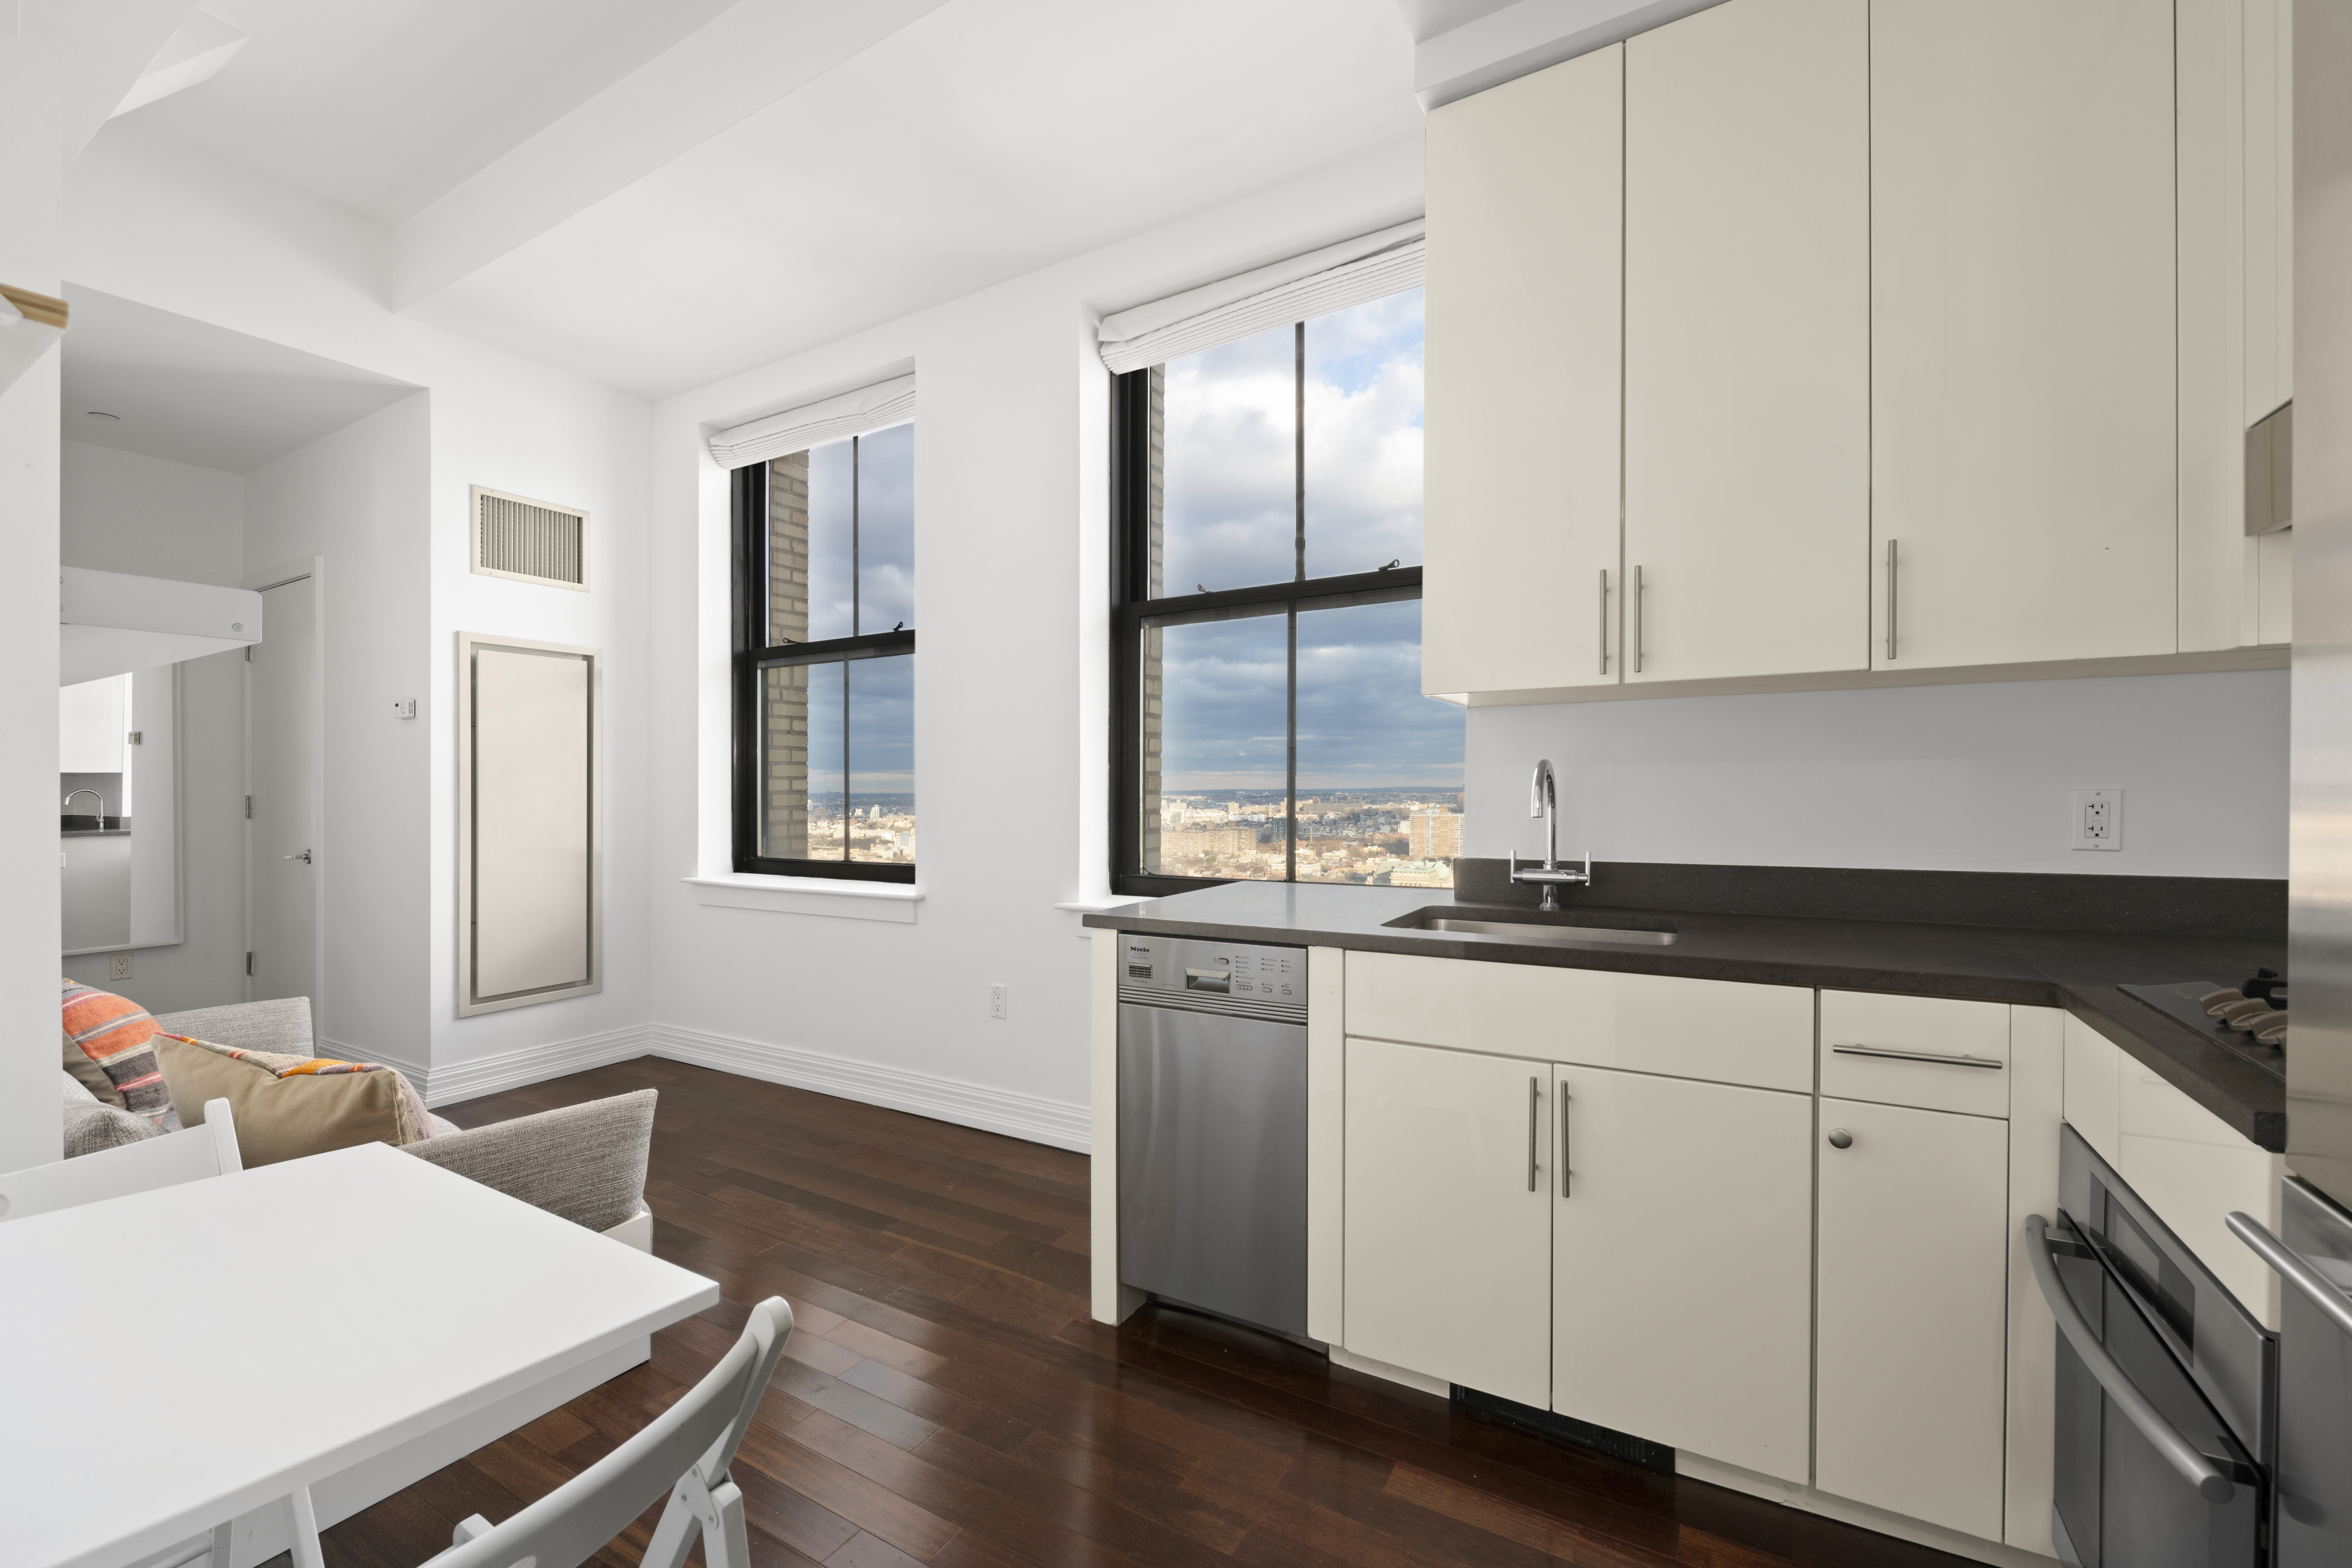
<point>248,963</point>
<point>248,809</point>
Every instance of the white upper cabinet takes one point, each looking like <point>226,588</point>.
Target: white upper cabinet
<point>1747,341</point>
<point>1522,496</point>
<point>2022,337</point>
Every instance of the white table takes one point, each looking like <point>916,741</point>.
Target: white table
<point>148,1390</point>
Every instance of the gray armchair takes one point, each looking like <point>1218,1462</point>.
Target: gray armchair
<point>586,1162</point>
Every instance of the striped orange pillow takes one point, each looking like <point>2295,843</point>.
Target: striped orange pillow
<point>116,1035</point>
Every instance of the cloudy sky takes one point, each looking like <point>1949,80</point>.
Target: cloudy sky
<point>1231,509</point>
<point>886,533</point>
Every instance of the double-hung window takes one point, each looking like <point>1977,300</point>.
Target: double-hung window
<point>824,659</point>
<point>1268,713</point>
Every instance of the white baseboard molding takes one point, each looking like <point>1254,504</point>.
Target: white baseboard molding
<point>1845,1510</point>
<point>511,1069</point>
<point>1024,1116</point>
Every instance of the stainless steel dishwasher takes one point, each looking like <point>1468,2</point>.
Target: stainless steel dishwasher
<point>1213,1126</point>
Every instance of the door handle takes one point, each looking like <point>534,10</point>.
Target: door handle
<point>304,856</point>
<point>1884,1055</point>
<point>2162,1435</point>
<point>1890,600</point>
<point>1641,589</point>
<point>1563,1140</point>
<point>1604,620</point>
<point>1535,1097</point>
<point>2296,1269</point>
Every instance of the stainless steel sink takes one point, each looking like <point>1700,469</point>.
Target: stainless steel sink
<point>1625,931</point>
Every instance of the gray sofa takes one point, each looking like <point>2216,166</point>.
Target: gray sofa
<point>586,1162</point>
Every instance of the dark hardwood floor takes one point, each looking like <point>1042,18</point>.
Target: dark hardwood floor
<point>946,1400</point>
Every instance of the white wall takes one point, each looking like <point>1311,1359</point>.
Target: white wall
<point>1966,778</point>
<point>154,222</point>
<point>31,257</point>
<point>1009,566</point>
<point>123,511</point>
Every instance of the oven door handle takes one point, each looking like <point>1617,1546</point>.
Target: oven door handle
<point>2182,1455</point>
<point>2295,1269</point>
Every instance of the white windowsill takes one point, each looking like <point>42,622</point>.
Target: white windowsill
<point>843,899</point>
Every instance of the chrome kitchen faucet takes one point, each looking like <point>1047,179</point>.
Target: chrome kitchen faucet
<point>1543,800</point>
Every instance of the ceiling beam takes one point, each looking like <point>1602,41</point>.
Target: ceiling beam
<point>1527,35</point>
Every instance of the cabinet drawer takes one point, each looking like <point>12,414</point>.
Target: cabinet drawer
<point>1966,1045</point>
<point>1719,1031</point>
<point>2148,1107</point>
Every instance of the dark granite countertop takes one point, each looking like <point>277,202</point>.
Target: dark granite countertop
<point>1847,931</point>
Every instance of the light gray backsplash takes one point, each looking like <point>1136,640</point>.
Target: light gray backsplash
<point>1967,778</point>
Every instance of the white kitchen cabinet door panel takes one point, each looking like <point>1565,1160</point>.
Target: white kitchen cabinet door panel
<point>2094,1065</point>
<point>1747,341</point>
<point>1695,1333</point>
<point>2022,382</point>
<point>1931,1027</point>
<point>1724,1031</point>
<point>1913,1298</point>
<point>1520,1009</point>
<point>1521,481</point>
<point>1448,1267</point>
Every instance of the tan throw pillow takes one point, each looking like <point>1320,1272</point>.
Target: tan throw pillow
<point>92,1075</point>
<point>287,1107</point>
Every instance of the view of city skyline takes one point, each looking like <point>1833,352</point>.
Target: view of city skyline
<point>1403,837</point>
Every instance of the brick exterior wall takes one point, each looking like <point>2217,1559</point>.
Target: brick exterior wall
<point>784,775</point>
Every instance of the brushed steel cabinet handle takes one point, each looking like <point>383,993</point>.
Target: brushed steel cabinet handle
<point>2182,1455</point>
<point>1564,1139</point>
<point>1887,1056</point>
<point>2295,1269</point>
<point>1535,1097</point>
<point>1604,620</point>
<point>1890,600</point>
<point>1841,1138</point>
<point>1641,590</point>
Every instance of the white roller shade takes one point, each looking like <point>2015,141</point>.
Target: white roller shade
<point>872,407</point>
<point>1332,278</point>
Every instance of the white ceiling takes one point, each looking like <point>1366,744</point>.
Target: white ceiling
<point>200,393</point>
<point>987,139</point>
<point>658,194</point>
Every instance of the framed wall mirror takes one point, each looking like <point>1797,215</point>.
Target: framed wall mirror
<point>118,811</point>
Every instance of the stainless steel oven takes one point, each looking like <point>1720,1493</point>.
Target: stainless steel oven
<point>2167,1387</point>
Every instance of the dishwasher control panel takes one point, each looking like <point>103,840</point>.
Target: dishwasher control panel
<point>1247,977</point>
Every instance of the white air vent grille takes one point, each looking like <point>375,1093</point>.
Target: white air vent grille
<point>530,540</point>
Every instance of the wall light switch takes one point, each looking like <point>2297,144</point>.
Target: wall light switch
<point>404,707</point>
<point>1000,1001</point>
<point>117,966</point>
<point>2098,819</point>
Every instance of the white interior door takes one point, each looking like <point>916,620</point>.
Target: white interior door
<point>281,773</point>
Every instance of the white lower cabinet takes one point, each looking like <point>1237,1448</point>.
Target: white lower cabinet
<point>1681,1253</point>
<point>1911,1338</point>
<point>1448,1221</point>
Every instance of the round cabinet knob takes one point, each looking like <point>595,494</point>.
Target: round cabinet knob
<point>1841,1138</point>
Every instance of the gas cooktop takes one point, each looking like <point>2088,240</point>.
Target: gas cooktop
<point>2249,1018</point>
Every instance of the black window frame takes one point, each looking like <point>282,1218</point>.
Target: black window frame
<point>1133,609</point>
<point>748,493</point>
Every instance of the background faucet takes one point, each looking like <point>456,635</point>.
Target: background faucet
<point>1543,800</point>
<point>99,813</point>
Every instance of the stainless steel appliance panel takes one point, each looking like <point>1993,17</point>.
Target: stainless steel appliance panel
<point>2314,1464</point>
<point>1213,1162</point>
<point>2199,1369</point>
<point>2319,823</point>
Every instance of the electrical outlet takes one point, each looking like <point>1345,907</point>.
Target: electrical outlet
<point>117,966</point>
<point>1000,1001</point>
<point>2098,820</point>
<point>404,707</point>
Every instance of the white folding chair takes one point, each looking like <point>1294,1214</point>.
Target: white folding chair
<point>686,1448</point>
<point>190,1154</point>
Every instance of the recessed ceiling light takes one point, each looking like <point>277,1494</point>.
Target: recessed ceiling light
<point>96,414</point>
